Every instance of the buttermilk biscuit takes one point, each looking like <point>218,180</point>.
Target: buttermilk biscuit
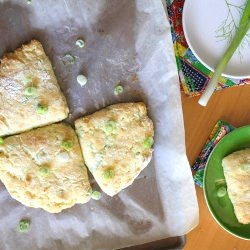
<point>236,168</point>
<point>116,144</point>
<point>44,168</point>
<point>29,94</point>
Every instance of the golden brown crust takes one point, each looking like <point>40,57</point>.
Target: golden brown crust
<point>28,66</point>
<point>22,161</point>
<point>236,167</point>
<point>112,142</point>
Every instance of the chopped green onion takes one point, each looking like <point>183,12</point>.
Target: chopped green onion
<point>30,91</point>
<point>29,1</point>
<point>236,41</point>
<point>220,182</point>
<point>68,59</point>
<point>148,142</point>
<point>108,174</point>
<point>1,141</point>
<point>221,191</point>
<point>80,43</point>
<point>118,90</point>
<point>82,80</point>
<point>244,167</point>
<point>41,109</point>
<point>67,145</point>
<point>96,195</point>
<point>44,171</point>
<point>23,226</point>
<point>110,126</point>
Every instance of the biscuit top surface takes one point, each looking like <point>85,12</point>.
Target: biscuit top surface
<point>236,167</point>
<point>44,168</point>
<point>29,93</point>
<point>116,144</point>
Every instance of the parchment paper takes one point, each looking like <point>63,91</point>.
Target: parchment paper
<point>129,42</point>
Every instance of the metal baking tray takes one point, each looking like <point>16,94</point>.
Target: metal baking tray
<point>171,243</point>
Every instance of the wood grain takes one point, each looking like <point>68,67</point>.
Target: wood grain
<point>233,106</point>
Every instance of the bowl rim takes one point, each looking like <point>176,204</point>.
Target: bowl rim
<point>204,189</point>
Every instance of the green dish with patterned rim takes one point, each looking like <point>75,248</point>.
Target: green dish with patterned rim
<point>221,207</point>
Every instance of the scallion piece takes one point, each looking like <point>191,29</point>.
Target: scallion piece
<point>41,109</point>
<point>108,174</point>
<point>24,226</point>
<point>118,90</point>
<point>110,126</point>
<point>67,145</point>
<point>221,192</point>
<point>96,195</point>
<point>44,171</point>
<point>80,43</point>
<point>148,142</point>
<point>30,91</point>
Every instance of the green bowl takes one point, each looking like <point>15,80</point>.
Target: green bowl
<point>221,207</point>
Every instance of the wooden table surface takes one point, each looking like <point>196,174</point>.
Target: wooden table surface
<point>231,105</point>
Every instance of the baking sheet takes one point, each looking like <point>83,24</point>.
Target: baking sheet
<point>127,41</point>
